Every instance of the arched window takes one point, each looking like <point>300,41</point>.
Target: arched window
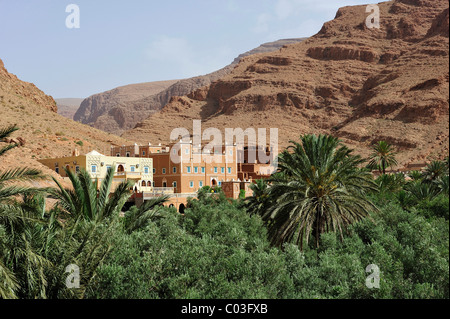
<point>120,169</point>
<point>182,208</point>
<point>144,184</point>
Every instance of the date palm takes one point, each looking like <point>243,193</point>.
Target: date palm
<point>91,217</point>
<point>320,188</point>
<point>21,261</point>
<point>434,171</point>
<point>84,201</point>
<point>260,199</point>
<point>382,157</point>
<point>10,178</point>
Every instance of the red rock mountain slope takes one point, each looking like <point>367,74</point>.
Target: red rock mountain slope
<point>122,108</point>
<point>43,133</point>
<point>362,85</point>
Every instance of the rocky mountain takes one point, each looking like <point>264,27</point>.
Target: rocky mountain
<point>10,85</point>
<point>43,133</point>
<point>122,108</point>
<point>362,85</point>
<point>68,107</point>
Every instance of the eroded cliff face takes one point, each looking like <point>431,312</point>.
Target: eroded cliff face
<point>359,84</point>
<point>10,84</point>
<point>42,132</point>
<point>120,109</point>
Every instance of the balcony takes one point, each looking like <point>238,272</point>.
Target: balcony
<point>128,175</point>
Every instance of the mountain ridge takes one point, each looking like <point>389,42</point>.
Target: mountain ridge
<point>107,112</point>
<point>361,85</point>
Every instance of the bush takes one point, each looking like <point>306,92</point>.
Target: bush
<point>218,251</point>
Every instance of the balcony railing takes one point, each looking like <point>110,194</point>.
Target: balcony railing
<point>126,175</point>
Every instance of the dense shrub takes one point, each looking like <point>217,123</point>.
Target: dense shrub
<point>220,251</point>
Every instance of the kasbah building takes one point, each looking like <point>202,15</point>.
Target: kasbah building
<point>155,172</point>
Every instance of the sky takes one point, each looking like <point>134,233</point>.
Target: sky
<point>124,42</point>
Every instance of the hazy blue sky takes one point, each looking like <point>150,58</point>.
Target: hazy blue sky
<point>124,42</point>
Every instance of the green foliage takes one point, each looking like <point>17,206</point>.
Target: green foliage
<point>221,248</point>
<point>391,183</point>
<point>434,171</point>
<point>320,189</point>
<point>260,200</point>
<point>382,157</point>
<point>222,252</point>
<point>211,195</point>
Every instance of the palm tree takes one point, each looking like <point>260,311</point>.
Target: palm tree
<point>415,175</point>
<point>30,235</point>
<point>434,171</point>
<point>138,218</point>
<point>86,202</point>
<point>90,217</point>
<point>321,188</point>
<point>391,183</point>
<point>4,133</point>
<point>12,176</point>
<point>22,264</point>
<point>421,191</point>
<point>259,201</point>
<point>382,157</point>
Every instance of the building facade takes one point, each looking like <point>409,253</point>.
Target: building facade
<point>125,151</point>
<point>139,170</point>
<point>183,167</point>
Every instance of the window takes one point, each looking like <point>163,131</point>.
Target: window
<point>191,184</point>
<point>163,170</point>
<point>174,184</point>
<point>229,170</point>
<point>154,171</point>
<point>215,170</point>
<point>132,168</point>
<point>94,168</point>
<point>222,170</point>
<point>118,154</point>
<point>143,153</point>
<point>188,169</point>
<point>174,170</point>
<point>230,152</point>
<point>128,154</point>
<point>57,170</point>
<point>203,170</point>
<point>196,170</point>
<point>153,183</point>
<point>186,151</point>
<point>108,167</point>
<point>146,170</point>
<point>77,169</point>
<point>200,184</point>
<point>220,183</point>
